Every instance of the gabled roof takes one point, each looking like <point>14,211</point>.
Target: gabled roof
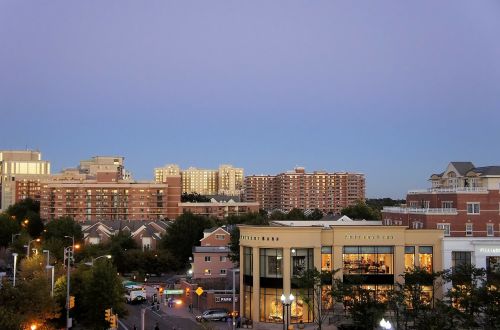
<point>487,170</point>
<point>462,167</point>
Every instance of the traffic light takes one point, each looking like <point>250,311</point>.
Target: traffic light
<point>187,292</point>
<point>107,314</point>
<point>113,321</point>
<point>71,302</point>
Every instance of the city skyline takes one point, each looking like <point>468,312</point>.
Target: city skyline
<point>392,90</point>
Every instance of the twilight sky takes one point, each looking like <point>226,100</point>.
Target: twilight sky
<point>392,89</point>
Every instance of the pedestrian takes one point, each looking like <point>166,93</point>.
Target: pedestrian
<point>135,328</point>
<point>157,327</point>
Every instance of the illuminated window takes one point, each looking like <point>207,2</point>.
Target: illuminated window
<point>425,257</point>
<point>326,258</point>
<point>368,260</point>
<point>409,258</point>
<point>207,272</point>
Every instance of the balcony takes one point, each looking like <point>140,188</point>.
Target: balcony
<point>414,210</point>
<point>452,190</point>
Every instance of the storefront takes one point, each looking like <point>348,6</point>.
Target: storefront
<point>272,255</point>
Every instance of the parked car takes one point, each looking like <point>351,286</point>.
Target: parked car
<point>218,314</point>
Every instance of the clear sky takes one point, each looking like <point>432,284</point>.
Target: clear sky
<point>393,89</point>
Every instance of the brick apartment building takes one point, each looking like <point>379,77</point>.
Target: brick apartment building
<point>101,189</point>
<point>329,192</point>
<point>464,202</point>
<point>219,209</point>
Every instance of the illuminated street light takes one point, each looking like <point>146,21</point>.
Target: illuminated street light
<point>28,246</point>
<point>91,263</point>
<point>287,302</point>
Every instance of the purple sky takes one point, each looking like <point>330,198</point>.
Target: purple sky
<point>393,89</point>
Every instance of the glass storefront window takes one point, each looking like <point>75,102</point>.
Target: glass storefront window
<point>247,301</point>
<point>460,258</point>
<point>425,257</point>
<point>247,261</point>
<point>301,260</point>
<point>271,308</point>
<point>368,260</point>
<point>493,267</point>
<point>271,263</point>
<point>299,310</point>
<point>326,258</point>
<point>409,258</point>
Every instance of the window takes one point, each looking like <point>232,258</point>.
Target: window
<point>326,258</point>
<point>490,229</point>
<point>223,272</point>
<point>468,229</point>
<point>409,257</point>
<point>271,261</point>
<point>425,257</point>
<point>445,227</point>
<point>426,204</point>
<point>301,260</point>
<point>207,272</point>
<point>222,258</point>
<point>219,237</point>
<point>208,258</point>
<point>472,208</point>
<point>247,261</point>
<point>447,204</point>
<point>417,225</point>
<point>459,258</point>
<point>368,260</point>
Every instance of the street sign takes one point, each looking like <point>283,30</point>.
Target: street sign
<point>174,291</point>
<point>199,291</point>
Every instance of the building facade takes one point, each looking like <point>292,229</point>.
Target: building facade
<point>329,192</point>
<point>219,210</point>
<point>227,180</point>
<point>105,199</point>
<point>211,258</point>
<point>270,256</point>
<point>464,201</point>
<point>20,175</point>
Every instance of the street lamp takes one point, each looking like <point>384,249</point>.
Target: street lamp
<point>287,301</point>
<point>13,236</point>
<point>52,282</point>
<point>68,253</point>
<point>15,268</point>
<point>48,256</point>
<point>28,246</point>
<point>91,263</point>
<point>234,296</point>
<point>385,324</point>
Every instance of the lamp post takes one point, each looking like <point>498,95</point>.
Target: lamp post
<point>13,236</point>
<point>287,301</point>
<point>52,282</point>
<point>68,253</point>
<point>234,296</point>
<point>91,263</point>
<point>15,269</point>
<point>28,246</point>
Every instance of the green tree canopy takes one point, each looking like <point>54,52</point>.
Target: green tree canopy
<point>361,211</point>
<point>184,233</point>
<point>8,227</point>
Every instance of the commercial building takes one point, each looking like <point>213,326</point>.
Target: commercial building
<point>329,192</point>
<point>270,256</point>
<point>20,174</point>
<point>219,209</point>
<point>227,180</point>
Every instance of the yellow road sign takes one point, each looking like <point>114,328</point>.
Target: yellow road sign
<point>199,291</point>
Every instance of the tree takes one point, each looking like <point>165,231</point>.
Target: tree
<point>64,226</point>
<point>194,198</point>
<point>316,214</point>
<point>313,281</point>
<point>365,309</point>
<point>183,234</point>
<point>96,289</point>
<point>27,209</point>
<point>296,214</point>
<point>254,219</point>
<point>8,227</point>
<point>361,211</point>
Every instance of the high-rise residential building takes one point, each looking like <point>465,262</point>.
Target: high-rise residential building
<point>329,192</point>
<point>464,202</point>
<point>105,164</point>
<point>20,175</point>
<point>227,180</point>
<point>104,198</point>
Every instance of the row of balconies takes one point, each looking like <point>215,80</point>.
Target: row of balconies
<point>414,210</point>
<point>449,190</point>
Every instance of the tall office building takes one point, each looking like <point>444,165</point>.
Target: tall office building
<point>329,192</point>
<point>20,175</point>
<point>227,180</point>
